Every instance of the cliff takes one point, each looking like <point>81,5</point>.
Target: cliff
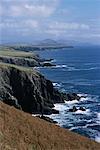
<point>27,89</point>
<point>27,59</point>
<point>21,131</point>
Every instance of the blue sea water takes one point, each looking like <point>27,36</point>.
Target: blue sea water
<point>77,70</point>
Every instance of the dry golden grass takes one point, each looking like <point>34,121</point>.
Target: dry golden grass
<point>21,131</point>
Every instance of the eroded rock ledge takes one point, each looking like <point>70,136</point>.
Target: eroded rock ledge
<point>27,89</point>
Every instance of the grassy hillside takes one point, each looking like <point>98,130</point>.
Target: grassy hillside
<point>21,131</point>
<point>6,65</point>
<point>14,53</point>
<point>16,57</point>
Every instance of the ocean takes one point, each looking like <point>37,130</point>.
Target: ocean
<point>77,70</point>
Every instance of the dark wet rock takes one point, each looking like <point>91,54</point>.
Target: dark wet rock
<point>48,60</point>
<point>47,64</point>
<point>83,96</point>
<point>74,109</point>
<point>82,108</point>
<point>47,119</point>
<point>28,90</point>
<point>54,111</point>
<point>72,96</point>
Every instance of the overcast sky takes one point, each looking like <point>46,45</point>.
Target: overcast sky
<point>29,20</point>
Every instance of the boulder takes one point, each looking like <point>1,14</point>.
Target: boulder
<point>74,109</point>
<point>82,108</point>
<point>54,111</point>
<point>72,96</point>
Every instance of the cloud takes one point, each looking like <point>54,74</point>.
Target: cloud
<point>48,18</point>
<point>95,35</point>
<point>29,8</point>
<point>11,24</point>
<point>69,26</point>
<point>56,29</point>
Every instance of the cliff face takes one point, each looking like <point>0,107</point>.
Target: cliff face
<point>20,61</point>
<point>20,58</point>
<point>27,89</point>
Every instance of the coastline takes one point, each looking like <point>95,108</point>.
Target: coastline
<point>20,76</point>
<point>83,122</point>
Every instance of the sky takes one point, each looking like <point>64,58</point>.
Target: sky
<point>29,20</point>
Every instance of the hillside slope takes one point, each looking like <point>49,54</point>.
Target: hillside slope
<point>21,131</point>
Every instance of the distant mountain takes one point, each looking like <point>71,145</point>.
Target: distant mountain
<point>50,42</point>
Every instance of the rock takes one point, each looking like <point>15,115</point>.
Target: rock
<point>82,96</point>
<point>82,108</point>
<point>72,96</point>
<point>21,61</point>
<point>27,89</point>
<point>48,60</point>
<point>48,64</point>
<point>54,111</point>
<point>47,119</point>
<point>74,109</point>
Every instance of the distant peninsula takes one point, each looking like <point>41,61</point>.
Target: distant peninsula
<point>41,45</point>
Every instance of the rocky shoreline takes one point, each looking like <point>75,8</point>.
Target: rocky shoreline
<point>25,88</point>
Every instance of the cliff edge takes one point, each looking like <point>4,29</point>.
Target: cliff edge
<point>27,89</point>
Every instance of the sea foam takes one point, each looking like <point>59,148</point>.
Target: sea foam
<point>87,112</point>
<point>98,118</point>
<point>97,138</point>
<point>55,84</point>
<point>61,66</point>
<point>60,107</point>
<point>72,102</point>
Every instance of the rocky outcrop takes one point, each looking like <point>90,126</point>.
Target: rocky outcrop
<point>71,96</point>
<point>47,64</point>
<point>28,62</point>
<point>74,109</point>
<point>27,89</point>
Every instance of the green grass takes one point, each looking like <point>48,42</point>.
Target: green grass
<point>6,65</point>
<point>5,48</point>
<point>25,58</point>
<point>7,51</point>
<point>16,53</point>
<point>10,53</point>
<point>21,68</point>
